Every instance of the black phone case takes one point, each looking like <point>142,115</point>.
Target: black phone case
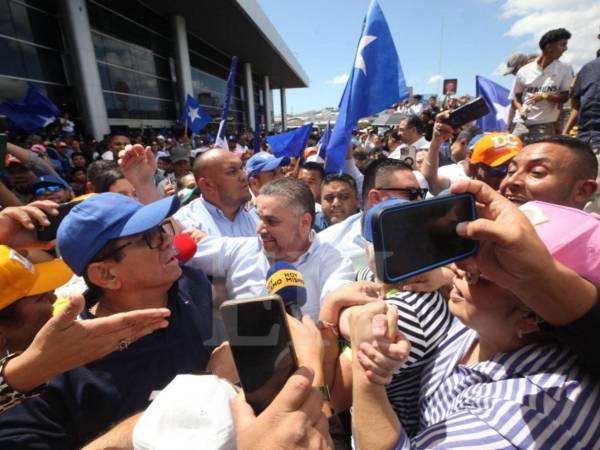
<point>473,110</point>
<point>379,248</point>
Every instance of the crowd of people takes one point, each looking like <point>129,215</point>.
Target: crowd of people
<point>110,339</point>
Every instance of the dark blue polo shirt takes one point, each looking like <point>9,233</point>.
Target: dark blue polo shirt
<point>587,90</point>
<point>81,404</point>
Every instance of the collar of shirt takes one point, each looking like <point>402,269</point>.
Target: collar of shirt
<point>216,212</point>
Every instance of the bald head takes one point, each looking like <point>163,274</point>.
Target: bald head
<point>221,179</point>
<point>207,161</point>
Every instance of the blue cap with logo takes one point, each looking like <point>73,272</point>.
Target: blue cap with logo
<point>368,227</point>
<point>49,180</point>
<point>104,217</point>
<point>264,162</point>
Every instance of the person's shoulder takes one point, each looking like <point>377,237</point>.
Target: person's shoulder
<point>334,231</point>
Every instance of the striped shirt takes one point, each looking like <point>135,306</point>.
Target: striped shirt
<point>533,397</point>
<point>424,319</point>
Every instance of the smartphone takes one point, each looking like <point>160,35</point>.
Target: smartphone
<point>469,112</point>
<point>48,233</point>
<point>261,345</point>
<point>412,238</point>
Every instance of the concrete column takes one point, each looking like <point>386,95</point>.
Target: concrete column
<point>250,95</point>
<point>183,68</point>
<point>85,68</point>
<point>283,109</point>
<point>268,101</point>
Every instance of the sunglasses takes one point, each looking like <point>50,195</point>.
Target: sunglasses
<point>154,238</point>
<point>495,171</point>
<point>413,193</point>
<point>45,189</point>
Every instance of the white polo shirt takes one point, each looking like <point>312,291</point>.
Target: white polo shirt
<point>531,79</point>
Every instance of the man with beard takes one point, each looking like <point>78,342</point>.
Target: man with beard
<point>286,210</point>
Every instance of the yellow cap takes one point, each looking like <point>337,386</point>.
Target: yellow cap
<point>20,278</point>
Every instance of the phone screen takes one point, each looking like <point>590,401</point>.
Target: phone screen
<point>416,237</point>
<point>262,347</point>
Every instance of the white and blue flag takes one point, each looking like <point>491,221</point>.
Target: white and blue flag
<point>196,117</point>
<point>496,97</point>
<point>376,82</point>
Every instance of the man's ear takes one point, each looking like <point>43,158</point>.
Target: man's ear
<point>373,197</point>
<point>254,185</point>
<point>204,185</point>
<point>584,190</point>
<point>306,221</point>
<point>103,275</point>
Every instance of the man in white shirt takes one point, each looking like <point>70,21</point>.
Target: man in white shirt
<point>541,87</point>
<point>285,207</point>
<point>411,130</point>
<point>383,179</point>
<point>116,144</point>
<point>220,211</point>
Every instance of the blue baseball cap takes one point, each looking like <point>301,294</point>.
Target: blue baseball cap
<point>368,226</point>
<point>264,162</point>
<point>104,217</point>
<point>49,180</point>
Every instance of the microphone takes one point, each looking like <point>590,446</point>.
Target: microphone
<point>186,247</point>
<point>286,281</point>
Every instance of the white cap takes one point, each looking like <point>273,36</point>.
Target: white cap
<point>193,411</point>
<point>161,137</point>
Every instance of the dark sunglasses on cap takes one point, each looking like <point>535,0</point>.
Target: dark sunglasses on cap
<point>45,189</point>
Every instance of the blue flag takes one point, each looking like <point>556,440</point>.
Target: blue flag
<point>34,112</point>
<point>496,97</point>
<point>220,140</point>
<point>324,142</point>
<point>196,117</point>
<point>38,101</point>
<point>292,143</point>
<point>376,82</point>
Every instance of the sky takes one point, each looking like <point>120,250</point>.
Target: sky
<point>435,39</point>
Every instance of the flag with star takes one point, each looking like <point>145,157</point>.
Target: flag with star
<point>196,117</point>
<point>496,97</point>
<point>35,111</point>
<point>376,82</point>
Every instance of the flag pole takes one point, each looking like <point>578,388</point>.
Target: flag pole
<point>223,125</point>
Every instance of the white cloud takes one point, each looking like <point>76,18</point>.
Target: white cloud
<point>535,17</point>
<point>339,79</point>
<point>434,79</point>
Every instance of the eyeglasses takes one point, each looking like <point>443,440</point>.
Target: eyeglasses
<point>154,238</point>
<point>500,171</point>
<point>413,193</point>
<point>44,189</point>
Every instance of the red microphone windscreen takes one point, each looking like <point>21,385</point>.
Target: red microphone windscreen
<point>186,247</point>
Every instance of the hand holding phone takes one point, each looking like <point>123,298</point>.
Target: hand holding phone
<point>261,345</point>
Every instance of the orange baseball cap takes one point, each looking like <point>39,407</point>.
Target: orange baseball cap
<point>20,278</point>
<point>494,149</point>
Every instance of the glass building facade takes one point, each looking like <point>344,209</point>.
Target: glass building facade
<point>33,51</point>
<point>135,56</point>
